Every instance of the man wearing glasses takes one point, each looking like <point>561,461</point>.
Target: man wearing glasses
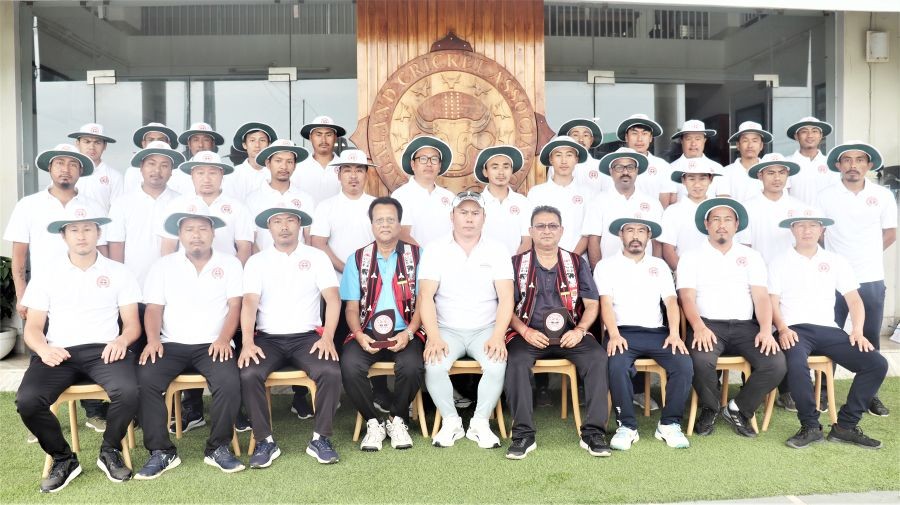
<point>426,205</point>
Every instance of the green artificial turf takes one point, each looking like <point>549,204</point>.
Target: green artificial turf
<point>720,466</point>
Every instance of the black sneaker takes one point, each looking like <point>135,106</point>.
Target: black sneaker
<point>876,408</point>
<point>706,422</point>
<point>189,421</point>
<point>806,437</point>
<point>740,423</point>
<point>112,464</point>
<point>520,447</point>
<point>542,398</point>
<point>223,459</point>
<point>786,401</point>
<point>853,436</point>
<point>301,407</point>
<point>159,462</point>
<point>61,474</point>
<point>242,422</point>
<point>382,402</point>
<point>596,445</point>
<point>264,454</point>
<point>322,450</point>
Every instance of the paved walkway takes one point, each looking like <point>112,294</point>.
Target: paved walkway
<point>840,498</point>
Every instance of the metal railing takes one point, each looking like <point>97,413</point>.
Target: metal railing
<point>573,20</point>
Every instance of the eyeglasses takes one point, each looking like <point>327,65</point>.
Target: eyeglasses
<point>546,226</point>
<point>623,168</point>
<point>381,221</point>
<point>428,160</point>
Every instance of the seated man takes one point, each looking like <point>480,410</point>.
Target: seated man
<point>802,285</point>
<point>632,284</point>
<point>391,284</point>
<point>82,340</point>
<point>193,299</point>
<point>466,301</point>
<point>550,278</point>
<point>282,289</point>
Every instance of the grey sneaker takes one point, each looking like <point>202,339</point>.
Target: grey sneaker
<point>31,439</point>
<point>806,436</point>
<point>110,461</point>
<point>97,424</point>
<point>786,401</point>
<point>159,462</point>
<point>61,474</point>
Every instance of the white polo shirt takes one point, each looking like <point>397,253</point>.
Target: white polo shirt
<point>427,213</point>
<point>636,288</point>
<point>267,197</point>
<point>345,223</point>
<point>657,179</point>
<point>572,202</point>
<point>320,182</point>
<point>679,229</point>
<point>238,223</point>
<point>133,179</point>
<point>812,178</point>
<point>195,304</point>
<point>743,187</point>
<point>507,221</point>
<point>82,305</point>
<point>722,281</point>
<point>588,175</point>
<point>28,225</point>
<point>103,186</point>
<point>807,285</point>
<point>136,217</point>
<point>466,297</point>
<point>607,207</point>
<point>182,183</point>
<point>765,235</point>
<point>858,222</point>
<point>245,180</point>
<point>718,186</point>
<point>289,288</point>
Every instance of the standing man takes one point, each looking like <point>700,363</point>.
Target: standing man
<point>426,205</point>
<point>693,136</point>
<point>815,173</point>
<point>588,134</point>
<point>750,140</point>
<point>865,224</point>
<point>632,286</point>
<point>314,175</point>
<point>802,283</point>
<point>198,138</point>
<point>548,278</point>
<point>283,287</point>
<point>506,212</point>
<point>722,289</point>
<point>772,205</point>
<point>679,234</point>
<point>107,183</point>
<point>466,302</point>
<point>249,176</point>
<point>82,339</point>
<point>150,132</point>
<point>369,287</point>
<point>638,132</point>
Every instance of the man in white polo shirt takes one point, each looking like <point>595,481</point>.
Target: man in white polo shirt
<point>679,234</point>
<point>865,224</point>
<point>803,283</point>
<point>814,175</point>
<point>750,140</point>
<point>279,321</point>
<point>198,138</point>
<point>426,206</point>
<point>250,138</point>
<point>693,137</point>
<point>314,175</point>
<point>466,302</point>
<point>507,213</point>
<point>588,134</point>
<point>107,183</point>
<point>771,205</point>
<point>150,132</point>
<point>722,289</point>
<point>632,284</point>
<point>638,132</point>
<point>82,339</point>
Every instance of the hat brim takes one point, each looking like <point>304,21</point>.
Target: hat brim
<point>299,152</point>
<point>766,136</point>
<point>678,174</point>
<point>608,160</point>
<point>513,153</point>
<point>708,205</point>
<point>427,141</point>
<point>307,129</point>
<point>176,157</point>
<point>262,219</point>
<point>835,154</point>
<point>189,166</point>
<point>78,135</point>
<point>787,223</point>
<point>174,221</point>
<point>138,137</point>
<point>793,168</point>
<point>822,125</point>
<point>655,129</point>
<point>554,144</point>
<point>238,141</point>
<point>57,226</point>
<point>43,161</point>
<point>617,224</point>
<point>185,137</point>
<point>708,133</point>
<point>586,123</point>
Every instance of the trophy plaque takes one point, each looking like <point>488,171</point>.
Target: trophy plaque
<point>556,324</point>
<point>383,329</point>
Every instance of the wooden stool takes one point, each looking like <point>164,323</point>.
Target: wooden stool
<point>569,380</point>
<point>821,365</point>
<point>381,368</point>
<point>289,376</point>
<point>725,364</point>
<point>173,398</point>
<point>85,392</point>
<point>469,367</point>
<point>649,366</point>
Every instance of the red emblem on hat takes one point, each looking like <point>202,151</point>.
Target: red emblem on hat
<point>653,271</point>
<point>823,169</point>
<point>808,213</point>
<point>824,267</point>
<point>445,200</point>
<point>203,126</point>
<point>296,202</point>
<point>226,209</point>
<point>104,179</point>
<point>218,273</point>
<point>741,261</point>
<point>645,206</point>
<point>872,201</point>
<point>514,210</point>
<point>103,281</point>
<point>206,157</point>
<point>577,199</point>
<point>593,174</point>
<point>95,129</point>
<point>80,213</point>
<point>304,265</point>
<point>651,170</point>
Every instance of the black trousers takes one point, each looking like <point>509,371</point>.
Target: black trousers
<point>224,383</point>
<point>870,369</point>
<point>409,377</point>
<point>280,351</point>
<point>735,337</point>
<point>589,358</point>
<point>192,399</point>
<point>42,385</point>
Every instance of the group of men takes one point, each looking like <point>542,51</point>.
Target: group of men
<point>235,272</point>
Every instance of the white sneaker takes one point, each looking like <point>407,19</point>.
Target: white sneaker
<point>624,438</point>
<point>451,431</point>
<point>480,432</point>
<point>638,400</point>
<point>396,429</point>
<point>672,435</point>
<point>374,436</point>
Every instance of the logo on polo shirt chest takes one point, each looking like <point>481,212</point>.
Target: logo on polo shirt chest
<point>104,179</point>
<point>226,209</point>
<point>192,208</point>
<point>80,213</point>
<point>824,267</point>
<point>872,201</point>
<point>741,261</point>
<point>304,265</point>
<point>577,199</point>
<point>445,201</point>
<point>555,322</point>
<point>692,165</point>
<point>593,174</point>
<point>651,171</point>
<point>217,273</point>
<point>653,271</point>
<point>645,206</point>
<point>296,203</point>
<point>823,169</point>
<point>514,210</point>
<point>102,281</point>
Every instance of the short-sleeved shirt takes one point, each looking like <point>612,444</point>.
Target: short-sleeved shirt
<point>352,291</point>
<point>103,186</point>
<point>813,177</point>
<point>572,202</point>
<point>743,187</point>
<point>719,184</point>
<point>765,235</point>
<point>680,230</point>
<point>428,213</point>
<point>182,183</point>
<point>657,179</point>
<point>587,175</point>
<point>607,207</point>
<point>320,182</point>
<point>806,286</point>
<point>722,281</point>
<point>466,297</point>
<point>507,221</point>
<point>132,180</point>
<point>636,288</point>
<point>267,197</point>
<point>238,223</point>
<point>82,306</point>
<point>547,293</point>
<point>859,220</point>
<point>195,303</point>
<point>289,288</point>
<point>344,222</point>
<point>245,180</point>
<point>136,218</point>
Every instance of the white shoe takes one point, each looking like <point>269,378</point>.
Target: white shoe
<point>624,438</point>
<point>451,431</point>
<point>399,433</point>
<point>374,436</point>
<point>638,400</point>
<point>672,435</point>
<point>480,432</point>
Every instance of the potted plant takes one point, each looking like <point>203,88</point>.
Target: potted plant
<point>8,334</point>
